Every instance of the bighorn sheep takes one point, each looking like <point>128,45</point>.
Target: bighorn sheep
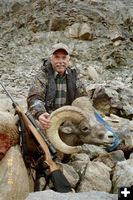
<point>75,125</point>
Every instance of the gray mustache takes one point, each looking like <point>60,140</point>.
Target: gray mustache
<point>61,65</point>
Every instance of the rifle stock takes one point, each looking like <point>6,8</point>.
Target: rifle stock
<point>30,128</point>
<point>59,180</point>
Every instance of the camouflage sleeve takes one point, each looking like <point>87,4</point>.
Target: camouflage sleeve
<point>36,96</point>
<point>80,86</point>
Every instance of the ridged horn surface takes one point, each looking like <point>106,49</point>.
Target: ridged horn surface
<point>57,118</point>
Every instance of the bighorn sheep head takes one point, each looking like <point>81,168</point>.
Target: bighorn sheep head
<point>57,118</point>
<point>75,125</point>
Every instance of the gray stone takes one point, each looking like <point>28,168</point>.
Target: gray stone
<point>123,175</point>
<point>14,181</point>
<point>96,177</point>
<point>93,195</point>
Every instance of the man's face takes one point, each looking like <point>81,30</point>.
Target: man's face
<point>60,61</point>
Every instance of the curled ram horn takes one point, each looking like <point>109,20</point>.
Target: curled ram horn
<point>57,118</point>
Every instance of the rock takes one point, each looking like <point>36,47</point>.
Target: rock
<point>85,32</point>
<point>73,31</point>
<point>122,176</point>
<point>6,105</point>
<point>70,174</point>
<point>119,124</point>
<point>114,98</point>
<point>79,162</point>
<point>96,177</point>
<point>80,31</point>
<point>50,195</point>
<point>81,156</point>
<point>79,166</point>
<point>131,156</point>
<point>16,7</point>
<point>111,159</point>
<point>116,33</point>
<point>14,182</point>
<point>93,151</point>
<point>92,73</point>
<point>58,23</point>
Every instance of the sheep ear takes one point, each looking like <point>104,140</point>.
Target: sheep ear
<point>57,118</point>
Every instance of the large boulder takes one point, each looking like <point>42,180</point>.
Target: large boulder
<point>93,195</point>
<point>14,181</point>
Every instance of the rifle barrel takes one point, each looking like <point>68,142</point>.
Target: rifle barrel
<point>14,103</point>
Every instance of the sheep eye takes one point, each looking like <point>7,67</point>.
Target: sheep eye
<point>85,130</point>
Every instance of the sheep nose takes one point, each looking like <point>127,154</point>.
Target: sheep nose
<point>100,134</point>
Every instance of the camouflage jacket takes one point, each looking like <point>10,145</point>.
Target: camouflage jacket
<point>42,92</point>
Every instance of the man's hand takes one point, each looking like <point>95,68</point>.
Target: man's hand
<point>44,121</point>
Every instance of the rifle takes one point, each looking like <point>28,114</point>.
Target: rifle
<point>58,179</point>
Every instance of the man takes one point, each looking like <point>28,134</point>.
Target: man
<point>56,85</point>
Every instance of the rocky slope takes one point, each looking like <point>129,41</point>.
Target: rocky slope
<point>100,36</point>
<point>98,32</point>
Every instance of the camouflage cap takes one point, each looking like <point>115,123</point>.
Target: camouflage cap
<point>60,46</point>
